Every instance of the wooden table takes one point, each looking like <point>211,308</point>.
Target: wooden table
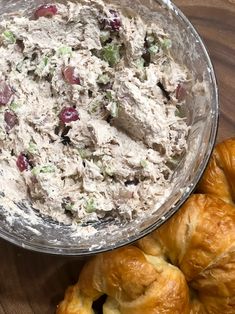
<point>34,283</point>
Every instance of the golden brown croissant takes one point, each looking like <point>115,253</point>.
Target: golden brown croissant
<point>135,283</point>
<point>219,177</point>
<point>199,240</point>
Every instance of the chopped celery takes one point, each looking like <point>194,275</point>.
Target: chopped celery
<point>69,207</point>
<point>82,153</point>
<point>41,66</point>
<point>43,169</point>
<point>154,49</point>
<point>140,63</point>
<point>103,79</point>
<point>64,50</point>
<point>32,147</point>
<point>9,36</point>
<point>47,169</point>
<point>109,95</point>
<point>108,171</point>
<point>166,43</point>
<point>14,106</point>
<point>90,206</point>
<point>179,112</point>
<point>150,39</point>
<point>19,66</point>
<point>111,54</point>
<point>94,107</point>
<point>113,105</point>
<point>144,163</point>
<point>36,170</point>
<point>113,108</point>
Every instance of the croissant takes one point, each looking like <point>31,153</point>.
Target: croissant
<point>219,177</point>
<point>131,279</point>
<point>187,266</point>
<point>200,241</point>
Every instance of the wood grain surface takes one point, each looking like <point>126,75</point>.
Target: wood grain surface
<point>35,283</point>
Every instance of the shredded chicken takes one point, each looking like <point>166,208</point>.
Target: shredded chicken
<point>89,111</point>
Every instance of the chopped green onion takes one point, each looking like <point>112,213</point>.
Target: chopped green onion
<point>103,79</point>
<point>90,206</point>
<point>9,36</point>
<point>166,43</point>
<point>64,50</point>
<point>111,54</point>
<point>104,36</point>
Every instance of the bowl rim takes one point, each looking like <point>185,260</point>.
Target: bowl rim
<point>76,252</point>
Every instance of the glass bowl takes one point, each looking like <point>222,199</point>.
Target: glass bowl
<point>24,226</point>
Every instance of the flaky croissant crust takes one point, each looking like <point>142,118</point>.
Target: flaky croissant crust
<point>187,266</point>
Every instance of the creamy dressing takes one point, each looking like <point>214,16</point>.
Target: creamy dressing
<point>113,160</point>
